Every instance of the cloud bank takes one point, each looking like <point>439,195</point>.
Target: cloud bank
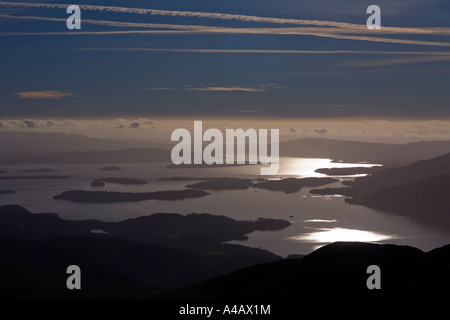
<point>46,94</point>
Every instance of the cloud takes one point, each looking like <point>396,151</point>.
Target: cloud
<point>336,106</point>
<point>405,57</point>
<point>36,123</point>
<point>404,60</point>
<point>134,125</point>
<point>119,124</point>
<point>260,88</point>
<point>243,111</point>
<point>320,130</point>
<point>243,89</point>
<point>31,123</point>
<point>421,127</point>
<point>161,89</point>
<point>46,94</point>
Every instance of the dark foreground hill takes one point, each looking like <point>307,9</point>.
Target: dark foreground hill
<point>126,259</point>
<point>334,272</point>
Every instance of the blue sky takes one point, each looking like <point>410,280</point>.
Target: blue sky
<point>194,63</point>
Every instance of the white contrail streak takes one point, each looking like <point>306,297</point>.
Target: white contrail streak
<point>209,15</point>
<point>227,16</point>
<point>335,30</point>
<point>289,30</point>
<point>412,53</point>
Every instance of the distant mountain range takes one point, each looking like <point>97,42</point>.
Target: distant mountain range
<point>85,157</point>
<point>353,151</point>
<point>59,148</point>
<point>58,142</point>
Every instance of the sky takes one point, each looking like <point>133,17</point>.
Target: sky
<point>311,60</point>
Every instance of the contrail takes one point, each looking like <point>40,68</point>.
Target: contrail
<point>209,15</point>
<point>227,16</point>
<point>338,30</point>
<point>324,35</point>
<point>281,31</point>
<point>412,53</point>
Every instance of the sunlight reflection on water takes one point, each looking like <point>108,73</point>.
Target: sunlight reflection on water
<point>305,167</point>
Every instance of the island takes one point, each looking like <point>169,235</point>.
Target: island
<point>181,179</point>
<point>110,168</point>
<point>222,184</point>
<point>113,197</point>
<point>44,177</point>
<point>291,185</point>
<point>44,170</point>
<point>7,191</point>
<point>346,191</point>
<point>213,183</point>
<point>348,171</point>
<point>124,181</point>
<point>97,183</point>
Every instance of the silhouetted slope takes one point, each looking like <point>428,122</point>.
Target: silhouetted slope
<point>110,267</point>
<point>404,175</point>
<point>428,198</point>
<point>420,189</point>
<point>334,272</point>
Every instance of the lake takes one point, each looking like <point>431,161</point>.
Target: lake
<point>316,220</point>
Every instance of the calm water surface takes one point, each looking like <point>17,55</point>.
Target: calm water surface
<point>316,220</point>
